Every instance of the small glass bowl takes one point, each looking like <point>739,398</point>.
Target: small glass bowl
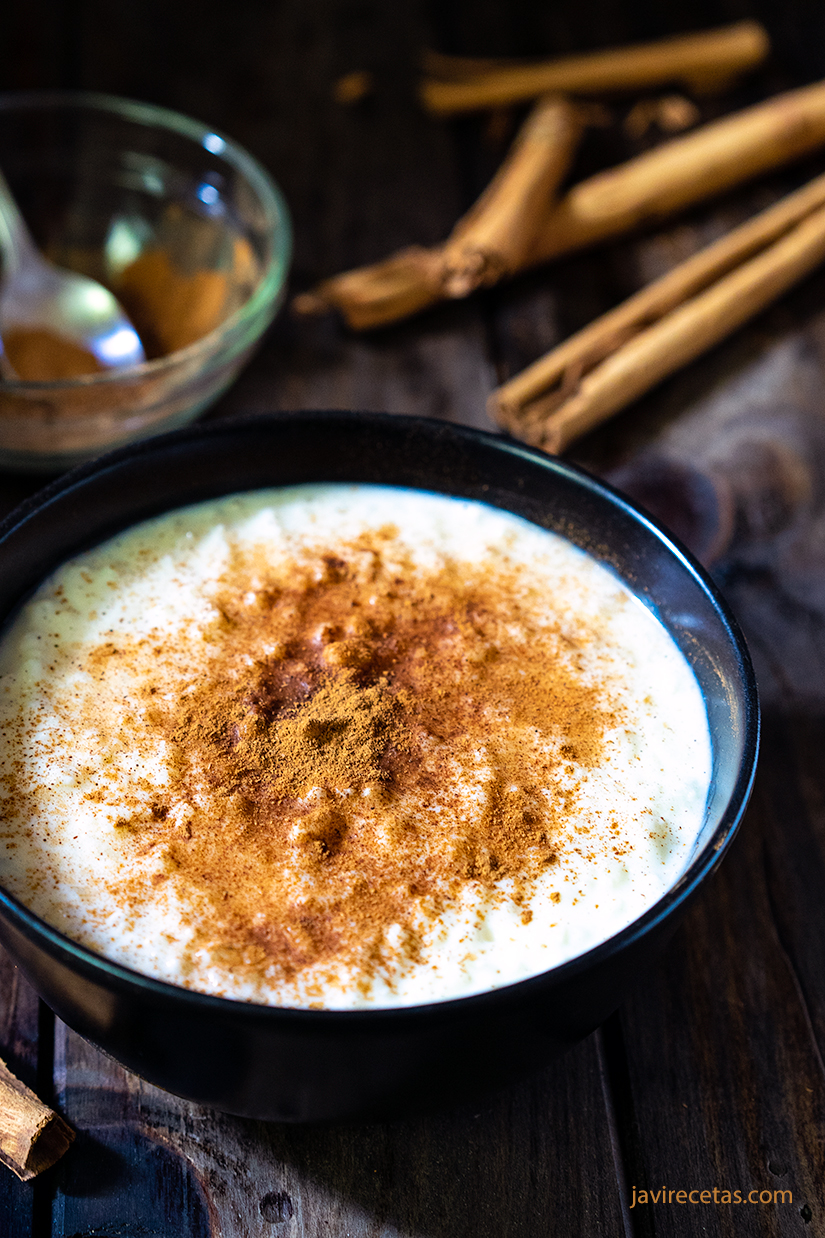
<point>185,227</point>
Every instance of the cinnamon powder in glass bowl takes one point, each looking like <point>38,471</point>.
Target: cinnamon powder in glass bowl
<point>188,231</point>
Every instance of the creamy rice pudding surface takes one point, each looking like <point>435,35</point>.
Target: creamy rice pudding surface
<point>344,745</point>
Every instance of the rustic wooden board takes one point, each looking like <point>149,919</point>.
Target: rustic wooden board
<point>351,196</point>
<point>515,1164</point>
<point>712,1074</point>
<point>19,1015</point>
<point>726,1076</point>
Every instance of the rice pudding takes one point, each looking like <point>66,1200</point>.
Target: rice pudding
<point>340,746</point>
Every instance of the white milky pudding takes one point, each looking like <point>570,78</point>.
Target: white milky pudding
<point>340,746</point>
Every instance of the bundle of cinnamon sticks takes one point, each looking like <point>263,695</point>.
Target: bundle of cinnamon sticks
<point>624,353</point>
<point>522,220</point>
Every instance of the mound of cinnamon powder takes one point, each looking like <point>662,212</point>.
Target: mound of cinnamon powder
<point>361,741</point>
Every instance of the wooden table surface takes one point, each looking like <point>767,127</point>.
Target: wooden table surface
<point>710,1076</point>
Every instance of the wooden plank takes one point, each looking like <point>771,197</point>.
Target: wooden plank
<point>721,1027</point>
<point>437,368</point>
<point>536,1155</point>
<point>353,200</point>
<point>794,807</point>
<point>723,1048</point>
<point>360,181</point>
<point>727,1083</point>
<point>723,1076</point>
<point>19,1012</point>
<point>119,1180</point>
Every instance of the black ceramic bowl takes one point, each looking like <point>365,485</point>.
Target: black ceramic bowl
<point>305,1065</point>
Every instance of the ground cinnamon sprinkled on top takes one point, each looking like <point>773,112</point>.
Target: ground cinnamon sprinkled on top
<point>316,768</point>
<point>324,750</point>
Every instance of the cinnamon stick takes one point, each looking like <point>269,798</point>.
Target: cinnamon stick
<point>686,170</point>
<point>383,292</point>
<point>32,1136</point>
<point>493,239</point>
<point>706,61</point>
<point>555,420</point>
<point>497,235</point>
<point>677,174</point>
<point>570,361</point>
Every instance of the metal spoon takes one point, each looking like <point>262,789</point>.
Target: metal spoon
<point>36,294</point>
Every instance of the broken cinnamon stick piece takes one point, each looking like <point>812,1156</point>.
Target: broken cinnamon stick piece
<point>493,239</point>
<point>32,1136</point>
<point>497,234</point>
<point>370,296</point>
<point>670,114</point>
<point>571,360</point>
<point>586,400</point>
<point>705,61</point>
<point>677,174</point>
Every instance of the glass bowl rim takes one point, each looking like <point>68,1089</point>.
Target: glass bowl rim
<point>270,196</point>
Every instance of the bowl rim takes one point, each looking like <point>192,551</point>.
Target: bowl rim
<point>122,977</point>
<point>279,226</point>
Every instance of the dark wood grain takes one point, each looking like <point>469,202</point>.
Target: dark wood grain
<point>19,1016</point>
<point>726,1076</point>
<point>711,1076</point>
<point>120,1178</point>
<point>505,1166</point>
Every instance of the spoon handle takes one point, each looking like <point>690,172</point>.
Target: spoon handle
<point>16,241</point>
